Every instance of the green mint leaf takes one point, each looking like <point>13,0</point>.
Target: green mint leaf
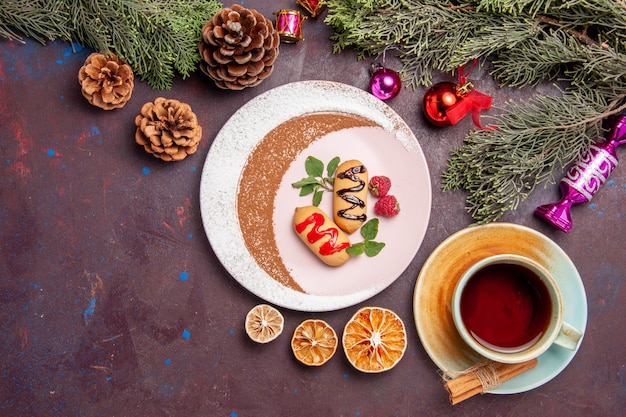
<point>356,249</point>
<point>304,181</point>
<point>370,229</point>
<point>373,248</point>
<point>332,167</point>
<point>316,183</point>
<point>317,197</point>
<point>307,189</point>
<point>314,167</point>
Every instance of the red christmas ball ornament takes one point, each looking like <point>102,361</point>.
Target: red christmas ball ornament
<point>385,83</point>
<point>446,103</point>
<point>437,100</point>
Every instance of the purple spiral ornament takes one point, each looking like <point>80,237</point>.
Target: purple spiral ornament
<point>583,180</point>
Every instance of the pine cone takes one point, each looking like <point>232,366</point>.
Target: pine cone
<point>168,129</point>
<point>106,81</point>
<point>238,48</point>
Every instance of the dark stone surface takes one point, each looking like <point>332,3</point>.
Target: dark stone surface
<point>112,302</point>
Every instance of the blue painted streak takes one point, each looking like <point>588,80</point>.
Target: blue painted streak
<point>88,313</point>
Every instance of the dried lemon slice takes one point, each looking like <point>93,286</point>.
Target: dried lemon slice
<point>374,339</point>
<point>314,342</point>
<point>264,323</point>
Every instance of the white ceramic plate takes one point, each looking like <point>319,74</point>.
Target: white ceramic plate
<point>443,268</point>
<point>388,147</point>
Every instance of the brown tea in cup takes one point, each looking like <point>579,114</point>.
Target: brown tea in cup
<point>506,307</point>
<point>509,309</point>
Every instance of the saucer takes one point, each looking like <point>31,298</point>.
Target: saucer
<point>444,267</point>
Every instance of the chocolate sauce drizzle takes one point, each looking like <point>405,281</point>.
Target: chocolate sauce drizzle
<point>350,198</point>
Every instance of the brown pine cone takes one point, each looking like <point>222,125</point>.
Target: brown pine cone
<point>168,129</point>
<point>238,48</point>
<point>106,81</point>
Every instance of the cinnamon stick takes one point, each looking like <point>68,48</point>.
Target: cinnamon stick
<point>482,377</point>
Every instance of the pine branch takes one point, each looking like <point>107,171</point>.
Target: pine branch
<point>535,60</point>
<point>435,35</point>
<point>514,7</point>
<point>27,17</point>
<point>580,43</point>
<point>499,169</point>
<point>158,38</point>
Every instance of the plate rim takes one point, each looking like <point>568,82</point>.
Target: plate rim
<point>564,357</point>
<point>330,97</point>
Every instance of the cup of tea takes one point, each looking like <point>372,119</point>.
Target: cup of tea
<point>508,308</point>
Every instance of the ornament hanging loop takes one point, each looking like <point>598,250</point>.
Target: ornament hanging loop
<point>382,64</point>
<point>383,57</point>
<point>461,70</point>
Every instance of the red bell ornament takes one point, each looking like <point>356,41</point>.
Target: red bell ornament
<point>446,103</point>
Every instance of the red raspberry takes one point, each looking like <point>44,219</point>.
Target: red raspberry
<point>379,185</point>
<point>387,206</point>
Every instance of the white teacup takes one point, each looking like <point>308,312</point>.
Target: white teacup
<point>508,308</point>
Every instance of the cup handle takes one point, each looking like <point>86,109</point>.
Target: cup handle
<point>569,337</point>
